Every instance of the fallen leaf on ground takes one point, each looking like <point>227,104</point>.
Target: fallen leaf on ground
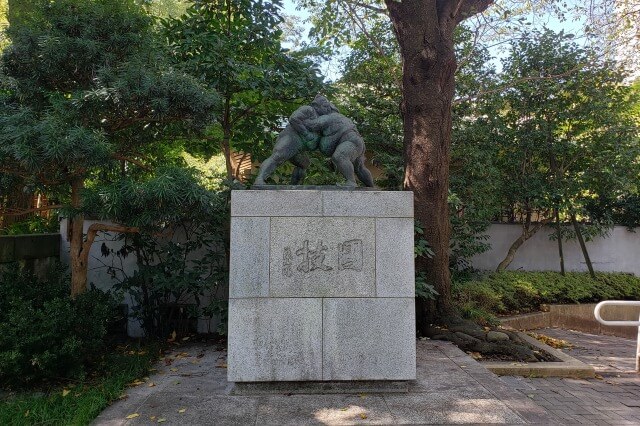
<point>173,337</point>
<point>173,369</point>
<point>26,414</point>
<point>136,383</point>
<point>363,416</point>
<point>185,338</point>
<point>221,366</point>
<point>151,384</point>
<point>123,396</point>
<point>65,392</point>
<point>162,420</point>
<point>133,416</point>
<point>152,418</point>
<point>344,409</point>
<point>182,410</point>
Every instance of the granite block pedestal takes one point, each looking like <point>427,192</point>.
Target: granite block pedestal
<point>321,286</point>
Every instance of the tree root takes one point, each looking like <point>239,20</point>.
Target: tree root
<point>470,337</point>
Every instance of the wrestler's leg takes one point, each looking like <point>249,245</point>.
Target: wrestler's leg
<point>301,161</point>
<point>362,172</point>
<point>286,147</point>
<point>343,157</point>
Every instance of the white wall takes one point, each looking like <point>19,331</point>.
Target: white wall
<point>617,252</point>
<point>104,272</point>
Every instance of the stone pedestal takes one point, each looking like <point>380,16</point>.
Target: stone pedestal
<point>321,286</point>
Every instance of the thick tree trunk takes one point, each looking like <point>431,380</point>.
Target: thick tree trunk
<point>78,262</point>
<point>429,64</point>
<point>424,30</point>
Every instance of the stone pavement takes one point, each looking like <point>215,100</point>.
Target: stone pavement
<point>190,388</point>
<point>612,398</point>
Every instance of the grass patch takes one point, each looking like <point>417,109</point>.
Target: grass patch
<point>79,403</point>
<point>513,292</point>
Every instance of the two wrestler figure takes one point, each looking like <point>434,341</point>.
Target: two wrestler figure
<point>319,127</point>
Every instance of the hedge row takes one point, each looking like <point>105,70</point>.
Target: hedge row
<point>510,292</point>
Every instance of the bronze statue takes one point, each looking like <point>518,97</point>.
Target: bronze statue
<point>319,127</point>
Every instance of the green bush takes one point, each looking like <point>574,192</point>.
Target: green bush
<point>44,334</point>
<point>512,292</point>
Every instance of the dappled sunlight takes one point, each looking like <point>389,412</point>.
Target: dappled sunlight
<point>348,414</point>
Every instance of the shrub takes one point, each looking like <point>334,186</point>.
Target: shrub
<point>44,334</point>
<point>513,292</point>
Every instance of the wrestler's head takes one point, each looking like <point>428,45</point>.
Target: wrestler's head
<point>323,106</point>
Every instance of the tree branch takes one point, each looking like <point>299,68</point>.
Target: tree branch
<point>468,8</point>
<point>356,19</point>
<point>14,212</point>
<point>131,160</point>
<point>514,82</point>
<point>103,227</point>
<point>371,7</point>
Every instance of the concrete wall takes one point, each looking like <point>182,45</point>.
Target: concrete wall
<point>618,252</point>
<point>104,272</point>
<point>35,252</point>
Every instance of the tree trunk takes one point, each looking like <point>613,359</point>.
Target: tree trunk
<point>583,246</point>
<point>429,65</point>
<point>78,262</point>
<point>226,136</point>
<point>559,232</point>
<point>527,233</point>
<point>424,30</point>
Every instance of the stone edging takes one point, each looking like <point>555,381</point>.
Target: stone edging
<point>577,317</point>
<point>567,367</point>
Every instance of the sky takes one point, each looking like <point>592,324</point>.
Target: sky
<point>332,72</point>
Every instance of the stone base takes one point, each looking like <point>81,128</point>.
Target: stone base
<point>321,286</point>
<point>310,388</point>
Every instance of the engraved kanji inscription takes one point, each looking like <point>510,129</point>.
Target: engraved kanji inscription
<point>312,259</point>
<point>350,255</point>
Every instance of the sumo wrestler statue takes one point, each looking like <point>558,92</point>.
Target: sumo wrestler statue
<point>319,127</point>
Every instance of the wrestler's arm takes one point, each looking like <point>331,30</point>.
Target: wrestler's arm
<point>318,124</point>
<point>299,121</point>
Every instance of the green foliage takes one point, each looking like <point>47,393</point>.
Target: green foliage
<point>565,131</point>
<point>85,399</point>
<point>422,248</point>
<point>45,335</point>
<point>86,93</point>
<point>516,292</point>
<point>33,225</point>
<point>180,251</point>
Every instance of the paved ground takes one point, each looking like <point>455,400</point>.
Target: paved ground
<point>612,398</point>
<point>190,388</point>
